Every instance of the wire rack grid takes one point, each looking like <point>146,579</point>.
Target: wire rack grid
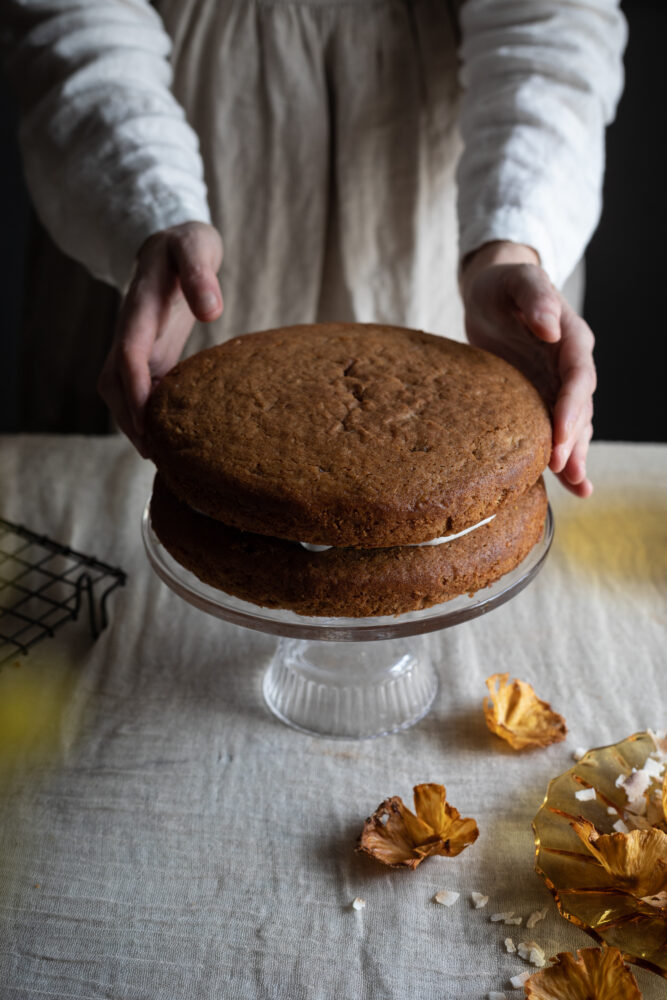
<point>44,584</point>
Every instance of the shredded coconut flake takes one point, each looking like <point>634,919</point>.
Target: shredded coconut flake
<point>510,947</point>
<point>579,753</point>
<point>585,794</point>
<point>446,897</point>
<point>638,806</point>
<point>535,917</point>
<point>514,920</point>
<point>634,784</point>
<point>497,917</point>
<point>612,810</point>
<point>479,899</point>
<point>496,995</point>
<point>358,903</point>
<point>659,737</point>
<point>654,768</point>
<point>620,827</point>
<point>518,981</point>
<point>531,952</point>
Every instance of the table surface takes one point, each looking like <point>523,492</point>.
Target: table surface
<point>164,837</point>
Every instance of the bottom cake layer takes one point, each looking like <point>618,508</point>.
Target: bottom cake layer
<point>346,582</point>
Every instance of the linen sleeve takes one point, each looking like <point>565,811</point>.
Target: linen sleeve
<point>108,156</point>
<point>541,81</point>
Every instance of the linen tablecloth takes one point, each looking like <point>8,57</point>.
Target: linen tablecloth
<point>164,837</point>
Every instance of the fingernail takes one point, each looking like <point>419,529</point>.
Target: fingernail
<point>208,302</point>
<point>548,319</point>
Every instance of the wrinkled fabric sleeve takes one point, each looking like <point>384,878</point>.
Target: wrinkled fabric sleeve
<point>108,156</point>
<point>541,81</point>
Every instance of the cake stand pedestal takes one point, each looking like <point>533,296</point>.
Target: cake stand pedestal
<point>346,678</point>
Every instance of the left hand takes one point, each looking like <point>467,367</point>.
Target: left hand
<point>513,310</point>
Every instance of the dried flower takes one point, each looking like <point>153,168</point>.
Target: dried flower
<point>636,862</point>
<point>399,838</point>
<point>517,715</point>
<point>594,973</point>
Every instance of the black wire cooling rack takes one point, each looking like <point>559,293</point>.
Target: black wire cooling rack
<point>44,584</point>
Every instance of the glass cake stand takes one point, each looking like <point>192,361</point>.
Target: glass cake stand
<point>319,684</point>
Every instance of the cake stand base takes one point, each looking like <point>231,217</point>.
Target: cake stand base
<point>346,678</point>
<point>350,690</point>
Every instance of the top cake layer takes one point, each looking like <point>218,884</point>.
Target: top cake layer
<point>347,434</point>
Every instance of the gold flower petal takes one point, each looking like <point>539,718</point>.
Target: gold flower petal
<point>517,715</point>
<point>454,832</point>
<point>594,973</point>
<point>636,862</point>
<point>396,837</point>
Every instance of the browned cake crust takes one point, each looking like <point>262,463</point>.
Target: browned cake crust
<point>347,434</point>
<point>346,582</point>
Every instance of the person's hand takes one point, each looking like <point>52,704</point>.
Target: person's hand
<point>174,283</point>
<point>513,310</point>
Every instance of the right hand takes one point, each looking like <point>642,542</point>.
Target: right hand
<point>175,283</point>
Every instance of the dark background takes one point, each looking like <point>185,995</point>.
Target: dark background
<point>626,279</point>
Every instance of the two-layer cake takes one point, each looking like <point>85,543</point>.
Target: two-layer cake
<point>374,441</point>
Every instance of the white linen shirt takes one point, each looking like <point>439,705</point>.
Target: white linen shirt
<point>110,158</point>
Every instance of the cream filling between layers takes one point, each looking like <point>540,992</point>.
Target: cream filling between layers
<point>416,545</point>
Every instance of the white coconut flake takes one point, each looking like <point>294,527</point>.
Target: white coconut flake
<point>634,784</point>
<point>446,897</point>
<point>495,918</point>
<point>510,947</point>
<point>496,995</point>
<point>638,806</point>
<point>531,952</point>
<point>514,920</point>
<point>579,753</point>
<point>612,810</point>
<point>358,903</point>
<point>585,794</point>
<point>479,900</point>
<point>620,827</point>
<point>535,917</point>
<point>659,737</point>
<point>518,981</point>
<point>654,768</point>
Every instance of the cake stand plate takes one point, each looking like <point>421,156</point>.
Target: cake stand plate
<point>315,682</point>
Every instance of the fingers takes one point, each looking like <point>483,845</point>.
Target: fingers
<point>197,255</point>
<point>574,405</point>
<point>175,282</point>
<point>573,475</point>
<point>112,391</point>
<point>537,300</point>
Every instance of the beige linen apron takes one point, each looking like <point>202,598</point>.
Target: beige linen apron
<point>328,131</point>
<point>328,134</point>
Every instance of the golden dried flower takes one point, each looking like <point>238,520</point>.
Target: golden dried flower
<point>635,862</point>
<point>517,715</point>
<point>399,838</point>
<point>595,974</point>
